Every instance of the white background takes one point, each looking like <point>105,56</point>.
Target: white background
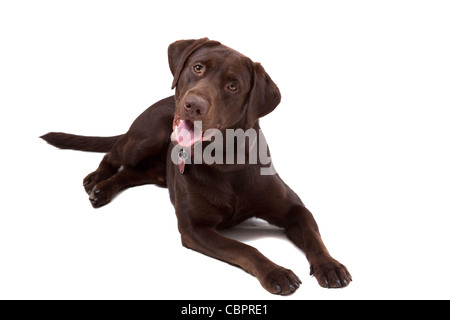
<point>362,135</point>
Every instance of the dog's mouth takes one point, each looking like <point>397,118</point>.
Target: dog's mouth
<point>186,132</point>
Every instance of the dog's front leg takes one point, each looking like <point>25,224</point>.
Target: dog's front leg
<point>302,229</point>
<point>273,278</point>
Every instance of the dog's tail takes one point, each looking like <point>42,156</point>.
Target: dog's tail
<point>83,143</point>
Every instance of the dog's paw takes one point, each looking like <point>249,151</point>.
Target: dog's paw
<point>331,274</point>
<point>93,179</point>
<point>281,281</point>
<point>90,181</point>
<point>100,195</point>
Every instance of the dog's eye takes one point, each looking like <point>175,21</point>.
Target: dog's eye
<point>198,68</point>
<point>232,86</point>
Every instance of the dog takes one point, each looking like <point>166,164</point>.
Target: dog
<point>175,144</point>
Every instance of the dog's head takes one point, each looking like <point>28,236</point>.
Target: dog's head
<point>219,87</point>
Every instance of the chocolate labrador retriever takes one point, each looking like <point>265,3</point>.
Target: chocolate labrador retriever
<point>179,143</point>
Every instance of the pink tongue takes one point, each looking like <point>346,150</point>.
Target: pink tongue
<point>186,135</point>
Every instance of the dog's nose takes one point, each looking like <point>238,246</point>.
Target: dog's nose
<point>195,105</point>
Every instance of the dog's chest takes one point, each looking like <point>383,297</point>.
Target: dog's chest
<point>232,199</point>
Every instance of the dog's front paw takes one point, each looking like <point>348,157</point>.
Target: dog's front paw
<point>280,281</point>
<point>331,274</point>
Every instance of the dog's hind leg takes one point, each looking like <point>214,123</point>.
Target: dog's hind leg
<point>105,170</point>
<point>103,192</point>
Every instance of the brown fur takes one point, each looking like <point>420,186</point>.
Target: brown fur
<point>209,197</point>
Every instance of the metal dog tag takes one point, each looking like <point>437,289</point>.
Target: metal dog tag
<point>182,156</point>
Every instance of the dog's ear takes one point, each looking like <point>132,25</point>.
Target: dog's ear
<point>180,51</point>
<point>264,96</point>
